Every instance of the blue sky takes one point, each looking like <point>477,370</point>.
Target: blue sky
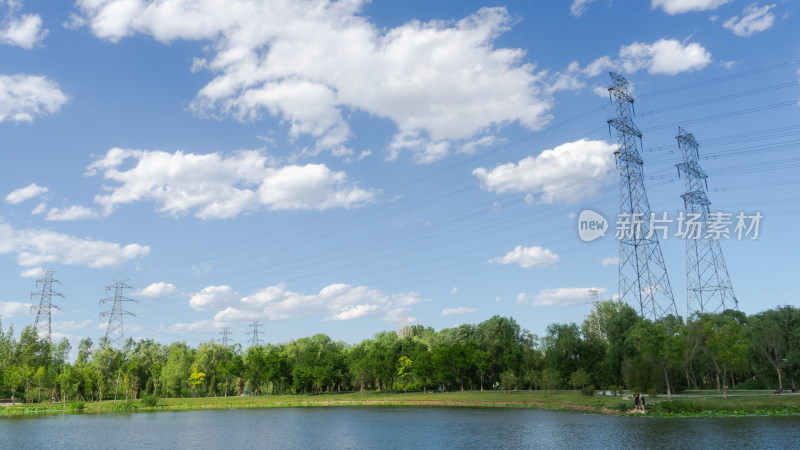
<point>350,167</point>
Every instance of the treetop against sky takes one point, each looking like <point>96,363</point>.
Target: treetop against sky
<point>347,167</point>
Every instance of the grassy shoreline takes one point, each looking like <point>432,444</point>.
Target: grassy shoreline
<point>692,405</point>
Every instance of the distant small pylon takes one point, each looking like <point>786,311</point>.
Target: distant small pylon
<point>595,318</point>
<point>254,340</point>
<point>43,324</point>
<point>115,332</point>
<point>226,334</point>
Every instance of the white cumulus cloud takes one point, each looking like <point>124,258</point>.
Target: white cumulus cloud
<point>21,30</point>
<point>610,261</point>
<point>755,19</point>
<point>216,186</point>
<point>568,173</point>
<point>157,290</point>
<point>74,212</point>
<point>214,297</point>
<point>34,247</point>
<point>528,257</point>
<point>14,309</point>
<point>563,296</point>
<point>33,272</point>
<point>578,7</point>
<point>24,31</point>
<point>457,311</point>
<point>334,302</point>
<point>23,97</point>
<point>200,326</point>
<point>664,57</point>
<point>28,192</point>
<point>442,83</point>
<point>71,325</point>
<point>673,7</point>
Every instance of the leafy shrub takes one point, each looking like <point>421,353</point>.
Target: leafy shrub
<point>652,393</point>
<point>123,406</point>
<point>751,384</point>
<point>679,406</point>
<point>75,406</point>
<point>621,407</point>
<point>587,391</point>
<point>149,401</point>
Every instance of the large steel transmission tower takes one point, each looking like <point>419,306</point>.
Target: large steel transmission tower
<point>708,286</point>
<point>642,272</point>
<point>43,322</point>
<point>115,330</point>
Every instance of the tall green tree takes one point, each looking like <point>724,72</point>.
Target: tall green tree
<point>661,344</point>
<point>725,345</point>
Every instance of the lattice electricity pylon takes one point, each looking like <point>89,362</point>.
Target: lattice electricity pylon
<point>43,322</point>
<point>226,335</point>
<point>115,333</point>
<point>254,340</point>
<point>596,316</point>
<point>708,286</point>
<point>642,272</point>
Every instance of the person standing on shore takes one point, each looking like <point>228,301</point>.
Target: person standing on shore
<point>636,400</point>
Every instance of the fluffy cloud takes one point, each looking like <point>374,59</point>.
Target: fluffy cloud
<point>157,290</point>
<point>334,302</point>
<point>673,7</point>
<point>33,272</point>
<point>528,257</point>
<point>24,31</point>
<point>610,261</point>
<point>442,83</point>
<point>14,309</point>
<point>28,192</point>
<point>218,186</point>
<point>74,212</point>
<point>578,7</point>
<point>457,311</point>
<point>23,97</point>
<point>569,172</point>
<point>665,57</point>
<point>35,247</point>
<point>214,297</point>
<point>562,296</point>
<point>71,325</point>
<point>754,20</point>
<point>201,326</point>
<point>21,30</point>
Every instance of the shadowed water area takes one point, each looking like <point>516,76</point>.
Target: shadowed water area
<point>392,427</point>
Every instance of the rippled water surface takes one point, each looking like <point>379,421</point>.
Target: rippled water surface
<point>392,427</point>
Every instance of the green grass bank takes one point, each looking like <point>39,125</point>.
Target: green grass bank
<point>692,404</point>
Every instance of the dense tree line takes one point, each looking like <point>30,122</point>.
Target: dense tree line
<point>722,351</point>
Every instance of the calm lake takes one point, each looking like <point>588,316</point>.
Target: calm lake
<point>392,427</point>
